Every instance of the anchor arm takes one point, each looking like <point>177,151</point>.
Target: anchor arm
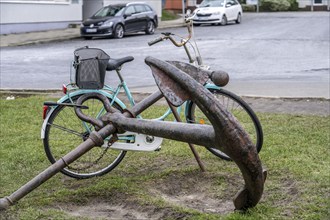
<point>230,137</point>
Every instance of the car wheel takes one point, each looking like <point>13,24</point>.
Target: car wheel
<point>150,28</point>
<point>224,20</point>
<point>239,18</point>
<point>119,31</point>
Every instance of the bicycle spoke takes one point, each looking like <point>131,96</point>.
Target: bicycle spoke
<point>235,105</point>
<point>66,129</point>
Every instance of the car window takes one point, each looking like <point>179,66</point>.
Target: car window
<point>107,11</point>
<point>212,3</point>
<point>130,10</point>
<point>120,12</point>
<point>139,8</point>
<point>148,8</point>
<point>231,3</point>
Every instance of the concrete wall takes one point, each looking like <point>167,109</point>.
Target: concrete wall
<point>304,3</point>
<point>90,7</point>
<point>20,16</point>
<point>27,16</point>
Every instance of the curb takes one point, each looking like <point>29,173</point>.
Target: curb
<point>40,41</point>
<point>176,23</point>
<point>31,92</point>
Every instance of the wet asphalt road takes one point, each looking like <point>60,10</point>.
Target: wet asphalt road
<point>268,54</point>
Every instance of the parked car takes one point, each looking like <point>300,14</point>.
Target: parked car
<point>218,12</point>
<point>118,19</point>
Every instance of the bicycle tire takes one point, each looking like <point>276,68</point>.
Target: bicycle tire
<point>239,108</point>
<point>65,131</point>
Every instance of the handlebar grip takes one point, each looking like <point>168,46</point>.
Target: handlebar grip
<point>155,41</point>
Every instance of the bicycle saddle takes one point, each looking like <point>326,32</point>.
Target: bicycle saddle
<point>114,64</point>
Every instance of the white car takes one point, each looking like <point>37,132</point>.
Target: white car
<point>218,12</point>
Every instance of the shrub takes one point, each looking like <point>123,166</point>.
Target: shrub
<point>293,5</point>
<point>275,5</point>
<point>248,8</point>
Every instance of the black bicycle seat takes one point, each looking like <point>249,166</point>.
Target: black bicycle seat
<point>114,64</point>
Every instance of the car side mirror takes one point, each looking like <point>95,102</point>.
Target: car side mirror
<point>228,5</point>
<point>127,15</point>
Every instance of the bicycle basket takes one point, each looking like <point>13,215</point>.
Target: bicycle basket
<point>90,65</point>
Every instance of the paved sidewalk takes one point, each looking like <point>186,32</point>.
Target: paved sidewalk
<point>60,34</point>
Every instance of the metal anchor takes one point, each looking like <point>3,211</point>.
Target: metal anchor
<point>225,132</point>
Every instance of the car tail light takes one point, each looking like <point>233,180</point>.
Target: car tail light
<point>64,89</point>
<point>44,112</point>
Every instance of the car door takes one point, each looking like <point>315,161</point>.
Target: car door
<point>230,10</point>
<point>131,19</point>
<point>142,17</point>
<point>236,9</point>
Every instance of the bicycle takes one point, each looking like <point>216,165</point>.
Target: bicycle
<point>62,130</point>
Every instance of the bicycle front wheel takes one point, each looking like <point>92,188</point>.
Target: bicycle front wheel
<point>236,106</point>
<point>65,131</point>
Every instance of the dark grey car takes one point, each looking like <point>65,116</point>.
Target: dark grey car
<point>116,20</point>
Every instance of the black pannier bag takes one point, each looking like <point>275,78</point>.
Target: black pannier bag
<point>90,65</point>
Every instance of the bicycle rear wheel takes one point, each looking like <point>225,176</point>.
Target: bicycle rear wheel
<point>236,106</point>
<point>65,131</point>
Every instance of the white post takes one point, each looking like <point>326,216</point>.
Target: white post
<point>183,7</point>
<point>312,5</point>
<point>258,6</point>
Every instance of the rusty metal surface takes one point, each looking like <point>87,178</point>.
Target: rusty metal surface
<point>225,133</point>
<point>219,78</point>
<point>198,74</point>
<point>191,133</point>
<point>230,136</point>
<point>172,91</point>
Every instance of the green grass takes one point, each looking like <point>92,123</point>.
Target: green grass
<point>295,152</point>
<point>168,15</point>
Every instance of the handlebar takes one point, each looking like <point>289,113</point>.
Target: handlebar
<point>168,35</point>
<point>183,41</point>
<point>155,41</point>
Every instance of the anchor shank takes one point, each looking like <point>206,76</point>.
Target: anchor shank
<point>47,173</point>
<point>190,133</point>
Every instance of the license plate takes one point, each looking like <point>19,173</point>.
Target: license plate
<point>91,30</point>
